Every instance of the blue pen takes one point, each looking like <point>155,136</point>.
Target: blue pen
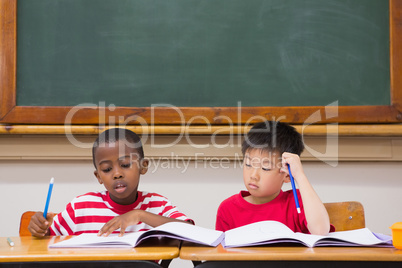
<point>292,181</point>
<point>49,194</point>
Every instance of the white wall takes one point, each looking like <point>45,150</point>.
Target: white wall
<point>198,190</point>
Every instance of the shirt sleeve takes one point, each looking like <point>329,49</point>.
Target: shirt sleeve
<point>64,222</point>
<point>221,223</point>
<point>171,211</point>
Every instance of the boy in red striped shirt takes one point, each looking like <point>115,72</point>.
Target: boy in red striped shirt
<point>119,161</point>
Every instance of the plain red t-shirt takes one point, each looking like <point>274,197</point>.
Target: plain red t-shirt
<point>236,211</point>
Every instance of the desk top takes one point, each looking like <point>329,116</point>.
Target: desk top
<point>31,249</point>
<point>200,253</point>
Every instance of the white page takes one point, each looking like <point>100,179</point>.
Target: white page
<point>176,230</point>
<point>268,232</point>
<point>362,237</point>
<point>358,237</point>
<point>257,232</point>
<point>93,240</point>
<point>192,233</point>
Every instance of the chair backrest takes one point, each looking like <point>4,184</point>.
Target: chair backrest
<point>25,219</point>
<point>346,215</point>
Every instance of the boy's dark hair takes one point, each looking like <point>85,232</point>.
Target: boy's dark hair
<point>273,136</point>
<point>116,134</point>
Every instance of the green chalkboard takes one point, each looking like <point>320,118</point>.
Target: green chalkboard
<point>194,53</point>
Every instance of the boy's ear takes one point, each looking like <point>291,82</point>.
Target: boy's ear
<point>144,166</point>
<point>98,177</point>
<point>287,177</point>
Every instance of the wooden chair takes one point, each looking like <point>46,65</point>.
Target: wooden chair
<point>346,215</point>
<point>25,219</point>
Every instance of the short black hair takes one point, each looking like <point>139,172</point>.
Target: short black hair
<point>273,136</point>
<point>116,134</point>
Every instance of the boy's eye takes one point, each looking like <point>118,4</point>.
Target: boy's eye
<point>266,169</point>
<point>125,165</point>
<point>106,169</point>
<point>247,165</point>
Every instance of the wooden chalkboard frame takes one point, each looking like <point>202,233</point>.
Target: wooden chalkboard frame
<point>11,113</point>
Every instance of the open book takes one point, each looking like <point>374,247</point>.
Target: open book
<point>176,230</point>
<point>270,232</point>
<point>259,233</point>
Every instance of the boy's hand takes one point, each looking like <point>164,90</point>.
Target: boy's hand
<point>122,222</point>
<point>39,226</point>
<point>295,165</point>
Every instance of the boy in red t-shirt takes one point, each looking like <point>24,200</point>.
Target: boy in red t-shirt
<point>268,149</point>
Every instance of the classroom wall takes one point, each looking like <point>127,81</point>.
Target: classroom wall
<point>199,188</point>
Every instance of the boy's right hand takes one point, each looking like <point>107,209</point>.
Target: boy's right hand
<point>39,226</point>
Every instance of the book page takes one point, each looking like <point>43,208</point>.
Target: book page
<point>258,233</point>
<point>359,237</point>
<point>269,232</point>
<point>93,240</point>
<point>175,230</point>
<point>189,232</point>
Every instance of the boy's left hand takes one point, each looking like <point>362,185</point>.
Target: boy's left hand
<point>122,222</point>
<point>295,164</point>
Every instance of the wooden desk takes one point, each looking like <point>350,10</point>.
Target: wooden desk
<point>288,256</point>
<point>28,250</point>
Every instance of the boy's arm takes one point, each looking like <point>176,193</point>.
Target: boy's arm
<point>39,226</point>
<point>316,214</point>
<point>134,217</point>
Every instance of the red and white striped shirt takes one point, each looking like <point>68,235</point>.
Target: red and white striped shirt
<point>89,212</point>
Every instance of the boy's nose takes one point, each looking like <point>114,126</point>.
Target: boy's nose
<point>255,174</point>
<point>117,174</point>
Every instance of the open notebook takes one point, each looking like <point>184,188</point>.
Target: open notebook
<point>176,230</point>
<point>270,232</point>
<point>259,233</point>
